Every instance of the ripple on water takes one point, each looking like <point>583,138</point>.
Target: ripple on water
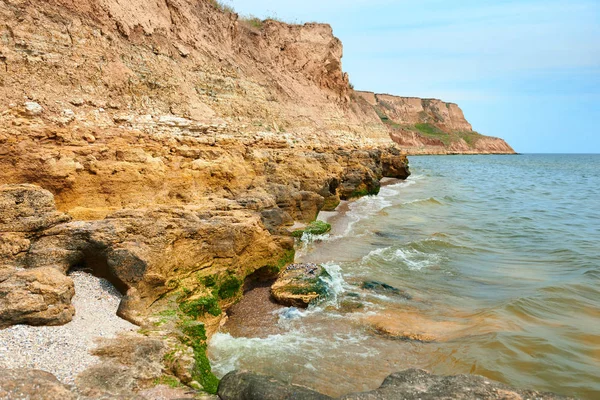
<point>500,256</point>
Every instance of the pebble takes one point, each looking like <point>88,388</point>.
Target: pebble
<point>65,350</point>
<point>309,268</point>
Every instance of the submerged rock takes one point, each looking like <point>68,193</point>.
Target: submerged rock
<point>300,285</point>
<point>384,288</point>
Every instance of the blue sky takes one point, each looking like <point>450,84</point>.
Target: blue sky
<point>527,71</point>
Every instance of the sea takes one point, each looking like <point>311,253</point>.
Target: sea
<point>496,262</point>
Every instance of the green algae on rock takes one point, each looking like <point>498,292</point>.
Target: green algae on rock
<point>300,285</point>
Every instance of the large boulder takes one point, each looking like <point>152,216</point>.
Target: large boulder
<point>300,285</point>
<point>416,384</point>
<point>39,296</point>
<point>240,385</point>
<point>27,208</point>
<point>410,384</point>
<point>32,385</point>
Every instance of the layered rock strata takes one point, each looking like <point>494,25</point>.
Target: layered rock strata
<point>168,147</point>
<point>431,126</point>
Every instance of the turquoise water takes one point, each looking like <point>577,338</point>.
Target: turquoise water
<point>501,255</point>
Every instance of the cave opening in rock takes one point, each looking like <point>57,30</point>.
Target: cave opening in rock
<point>95,262</point>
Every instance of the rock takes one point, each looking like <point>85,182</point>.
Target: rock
<point>77,102</point>
<point>384,288</point>
<point>32,385</point>
<point>410,323</point>
<point>240,385</point>
<point>27,208</point>
<point>300,285</point>
<point>127,361</point>
<point>394,164</point>
<point>40,296</point>
<point>32,109</point>
<point>172,120</point>
<point>410,384</point>
<point>88,137</point>
<point>416,384</point>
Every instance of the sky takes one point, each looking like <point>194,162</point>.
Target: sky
<point>527,71</point>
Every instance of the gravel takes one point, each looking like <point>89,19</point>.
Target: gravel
<point>64,350</point>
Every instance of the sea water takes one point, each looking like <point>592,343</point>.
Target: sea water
<point>500,256</point>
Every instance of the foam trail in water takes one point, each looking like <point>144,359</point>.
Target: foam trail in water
<point>371,205</point>
<point>411,258</point>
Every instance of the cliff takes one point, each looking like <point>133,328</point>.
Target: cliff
<point>169,147</point>
<point>431,126</point>
<point>164,145</point>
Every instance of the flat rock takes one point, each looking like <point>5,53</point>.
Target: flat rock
<point>384,288</point>
<point>32,384</point>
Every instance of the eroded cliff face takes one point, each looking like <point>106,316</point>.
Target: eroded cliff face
<point>183,58</point>
<point>169,147</point>
<point>431,126</point>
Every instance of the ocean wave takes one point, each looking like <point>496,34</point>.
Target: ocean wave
<point>412,258</point>
<point>428,201</point>
<point>227,352</point>
<point>368,206</point>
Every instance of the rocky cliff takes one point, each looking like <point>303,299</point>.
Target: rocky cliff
<point>169,146</point>
<point>431,126</point>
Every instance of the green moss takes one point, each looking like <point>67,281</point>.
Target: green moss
<point>312,285</point>
<point>195,337</point>
<point>287,258</point>
<point>167,313</point>
<point>199,307</point>
<point>168,380</point>
<point>317,228</point>
<point>209,281</point>
<point>298,233</point>
<point>365,191</point>
<point>229,287</point>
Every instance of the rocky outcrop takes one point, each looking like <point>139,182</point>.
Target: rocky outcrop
<point>416,384</point>
<point>411,384</point>
<point>32,384</point>
<point>300,285</point>
<point>168,147</point>
<point>240,385</point>
<point>431,126</point>
<point>40,296</point>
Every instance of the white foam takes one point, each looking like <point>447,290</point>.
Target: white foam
<point>227,351</point>
<point>411,258</point>
<point>370,205</point>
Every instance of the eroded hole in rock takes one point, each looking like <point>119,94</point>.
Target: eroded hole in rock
<point>95,262</point>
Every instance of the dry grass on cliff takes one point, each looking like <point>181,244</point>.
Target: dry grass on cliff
<point>219,5</point>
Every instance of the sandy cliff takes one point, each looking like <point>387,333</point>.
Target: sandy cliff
<point>431,126</point>
<point>169,147</point>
